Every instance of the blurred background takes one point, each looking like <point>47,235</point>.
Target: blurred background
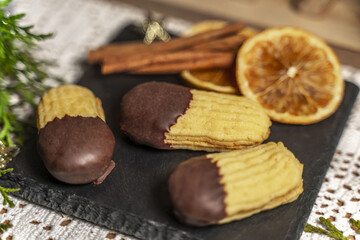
<point>336,21</point>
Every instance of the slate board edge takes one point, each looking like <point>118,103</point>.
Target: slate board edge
<point>113,218</point>
<point>73,205</point>
<point>299,228</point>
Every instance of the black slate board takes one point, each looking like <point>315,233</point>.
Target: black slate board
<point>134,198</point>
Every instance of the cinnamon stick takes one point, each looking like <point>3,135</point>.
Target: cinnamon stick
<point>115,64</point>
<point>224,61</point>
<point>127,49</point>
<point>230,43</point>
<point>116,49</point>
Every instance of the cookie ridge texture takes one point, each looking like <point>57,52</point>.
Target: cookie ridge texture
<point>223,187</point>
<point>169,116</point>
<point>70,100</point>
<point>74,142</point>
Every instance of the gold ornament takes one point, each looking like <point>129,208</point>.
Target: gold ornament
<point>153,28</point>
<point>7,154</point>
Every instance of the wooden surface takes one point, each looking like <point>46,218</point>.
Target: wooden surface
<point>339,26</point>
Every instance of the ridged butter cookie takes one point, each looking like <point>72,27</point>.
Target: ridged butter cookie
<point>74,142</point>
<point>222,187</point>
<point>169,116</point>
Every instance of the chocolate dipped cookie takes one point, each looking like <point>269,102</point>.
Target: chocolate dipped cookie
<point>74,142</point>
<point>223,187</point>
<point>169,116</point>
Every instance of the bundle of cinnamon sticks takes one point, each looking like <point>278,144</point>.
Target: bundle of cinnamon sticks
<point>212,49</point>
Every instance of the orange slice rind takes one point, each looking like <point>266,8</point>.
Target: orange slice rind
<point>219,80</point>
<point>293,74</point>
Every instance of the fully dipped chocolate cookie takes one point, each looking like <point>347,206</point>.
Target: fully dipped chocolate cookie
<point>168,116</point>
<point>74,142</point>
<point>223,187</point>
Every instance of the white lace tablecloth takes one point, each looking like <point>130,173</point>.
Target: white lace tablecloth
<point>86,24</point>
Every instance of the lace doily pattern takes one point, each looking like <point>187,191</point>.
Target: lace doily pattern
<point>339,196</point>
<point>81,25</point>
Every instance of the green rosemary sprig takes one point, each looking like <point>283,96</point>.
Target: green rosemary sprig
<point>4,191</point>
<point>4,226</point>
<point>330,230</point>
<point>355,225</point>
<point>312,229</point>
<point>21,75</point>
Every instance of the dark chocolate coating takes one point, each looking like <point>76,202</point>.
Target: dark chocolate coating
<point>76,150</point>
<point>196,192</point>
<point>150,109</point>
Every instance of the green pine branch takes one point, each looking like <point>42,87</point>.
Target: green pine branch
<point>20,73</point>
<point>4,190</point>
<point>21,76</point>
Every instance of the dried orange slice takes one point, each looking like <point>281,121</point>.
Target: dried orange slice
<point>220,80</point>
<point>293,74</point>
